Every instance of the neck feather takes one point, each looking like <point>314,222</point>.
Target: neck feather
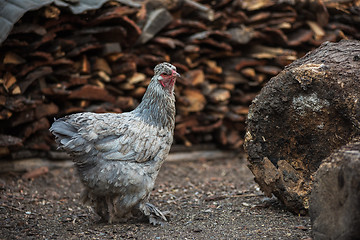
<point>157,107</point>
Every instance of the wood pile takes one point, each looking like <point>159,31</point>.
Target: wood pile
<point>55,62</point>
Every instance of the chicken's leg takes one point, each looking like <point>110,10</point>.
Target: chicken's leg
<point>111,210</point>
<point>99,204</point>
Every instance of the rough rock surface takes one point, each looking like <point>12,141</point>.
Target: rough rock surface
<point>335,197</point>
<point>303,114</point>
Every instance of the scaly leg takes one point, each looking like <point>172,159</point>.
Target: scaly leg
<point>98,204</point>
<point>110,209</point>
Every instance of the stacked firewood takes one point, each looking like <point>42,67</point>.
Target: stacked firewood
<point>55,62</point>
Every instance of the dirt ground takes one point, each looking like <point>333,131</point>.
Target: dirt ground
<point>215,199</point>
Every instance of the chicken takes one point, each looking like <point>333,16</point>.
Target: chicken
<point>118,156</point>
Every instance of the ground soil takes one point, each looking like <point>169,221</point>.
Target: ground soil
<point>215,199</point>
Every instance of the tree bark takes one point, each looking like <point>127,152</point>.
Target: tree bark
<point>303,114</point>
<point>335,197</point>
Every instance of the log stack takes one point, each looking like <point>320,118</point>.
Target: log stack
<point>56,62</point>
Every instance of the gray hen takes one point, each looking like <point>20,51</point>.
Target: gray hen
<point>118,156</point>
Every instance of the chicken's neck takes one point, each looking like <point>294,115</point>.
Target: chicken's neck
<point>157,107</point>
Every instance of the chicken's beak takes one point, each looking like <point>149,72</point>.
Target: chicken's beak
<point>175,74</point>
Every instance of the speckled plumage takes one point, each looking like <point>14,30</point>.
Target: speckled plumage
<point>118,156</point>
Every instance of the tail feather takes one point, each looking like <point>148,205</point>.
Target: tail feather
<point>67,136</point>
<point>62,128</point>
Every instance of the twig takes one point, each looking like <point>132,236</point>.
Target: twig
<point>11,207</point>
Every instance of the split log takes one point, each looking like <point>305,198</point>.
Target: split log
<point>335,197</point>
<point>302,115</point>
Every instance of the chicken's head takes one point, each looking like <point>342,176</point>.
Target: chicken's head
<point>166,74</point>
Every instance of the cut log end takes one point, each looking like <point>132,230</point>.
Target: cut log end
<point>300,117</point>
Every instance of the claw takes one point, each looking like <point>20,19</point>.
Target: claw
<point>155,216</point>
<point>156,211</point>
